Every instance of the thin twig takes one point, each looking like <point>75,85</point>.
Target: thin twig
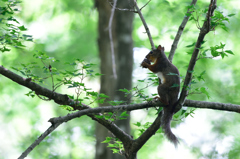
<point>179,33</point>
<point>129,10</point>
<point>145,25</point>
<point>145,5</point>
<point>40,139</point>
<point>111,39</point>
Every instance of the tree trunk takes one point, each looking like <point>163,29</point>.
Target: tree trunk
<point>123,48</point>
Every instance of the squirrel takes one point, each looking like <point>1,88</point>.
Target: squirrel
<point>168,89</point>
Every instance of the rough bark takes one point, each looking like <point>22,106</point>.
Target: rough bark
<point>123,48</point>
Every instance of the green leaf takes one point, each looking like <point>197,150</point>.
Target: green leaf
<point>5,49</point>
<point>98,74</point>
<point>111,145</point>
<point>115,150</point>
<point>124,113</point>
<point>124,90</point>
<point>110,113</point>
<point>101,101</point>
<point>200,77</point>
<point>108,139</point>
<point>223,55</point>
<point>94,94</point>
<point>159,110</point>
<point>190,71</point>
<point>203,90</point>
<point>138,124</point>
<point>186,114</point>
<point>101,95</point>
<point>214,53</point>
<point>189,52</point>
<point>183,111</point>
<point>22,28</point>
<point>230,15</point>
<point>188,14</point>
<point>225,28</point>
<point>191,45</point>
<point>66,107</point>
<point>99,116</point>
<point>31,94</point>
<point>229,51</point>
<point>141,80</point>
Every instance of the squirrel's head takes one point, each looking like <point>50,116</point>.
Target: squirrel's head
<point>153,55</point>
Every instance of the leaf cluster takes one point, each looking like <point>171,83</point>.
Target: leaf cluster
<point>115,144</point>
<point>11,29</point>
<point>199,16</point>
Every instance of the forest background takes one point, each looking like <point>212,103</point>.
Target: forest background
<point>67,30</point>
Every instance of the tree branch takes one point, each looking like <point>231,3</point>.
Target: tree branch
<point>179,33</point>
<point>212,105</point>
<point>203,32</point>
<point>148,133</point>
<point>111,39</point>
<point>86,110</point>
<point>145,25</point>
<point>62,99</point>
<point>40,139</point>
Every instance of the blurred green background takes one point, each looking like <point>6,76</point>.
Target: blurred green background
<point>67,30</point>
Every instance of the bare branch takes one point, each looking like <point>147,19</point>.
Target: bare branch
<point>212,105</point>
<point>129,10</point>
<point>141,17</point>
<point>145,5</point>
<point>40,139</point>
<point>145,25</point>
<point>179,33</point>
<point>111,39</point>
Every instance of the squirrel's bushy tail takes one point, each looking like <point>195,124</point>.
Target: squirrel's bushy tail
<point>166,125</point>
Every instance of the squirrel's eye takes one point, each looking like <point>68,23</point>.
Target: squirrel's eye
<point>151,52</point>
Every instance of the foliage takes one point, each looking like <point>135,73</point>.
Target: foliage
<point>115,144</point>
<point>11,28</point>
<point>48,71</point>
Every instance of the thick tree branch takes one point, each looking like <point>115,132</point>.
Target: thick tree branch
<point>179,33</point>
<point>212,105</point>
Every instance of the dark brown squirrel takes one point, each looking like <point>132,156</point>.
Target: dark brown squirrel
<point>168,89</point>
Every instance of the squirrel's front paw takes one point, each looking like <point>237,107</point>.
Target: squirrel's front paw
<point>145,63</point>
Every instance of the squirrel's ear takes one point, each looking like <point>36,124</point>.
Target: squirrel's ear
<point>159,47</point>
